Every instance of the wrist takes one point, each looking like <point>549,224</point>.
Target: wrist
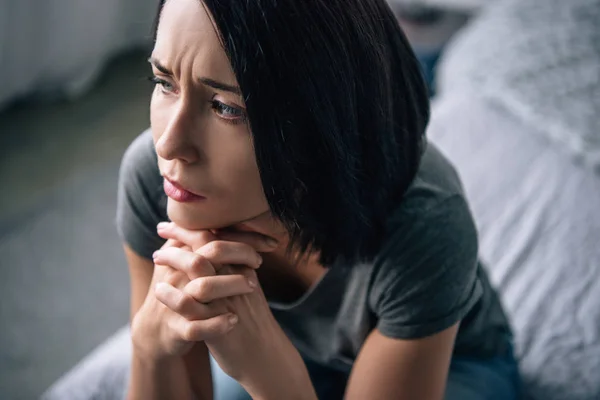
<point>151,361</point>
<point>285,376</point>
<point>162,378</point>
<point>147,354</point>
<point>144,343</point>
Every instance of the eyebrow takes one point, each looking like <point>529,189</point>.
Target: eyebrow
<point>221,86</point>
<point>207,81</point>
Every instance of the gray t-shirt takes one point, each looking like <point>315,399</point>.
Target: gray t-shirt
<point>426,278</point>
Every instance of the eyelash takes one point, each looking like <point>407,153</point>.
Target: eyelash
<point>217,106</point>
<point>157,81</point>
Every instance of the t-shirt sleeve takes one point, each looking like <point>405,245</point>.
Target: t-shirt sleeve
<point>426,278</point>
<point>141,202</point>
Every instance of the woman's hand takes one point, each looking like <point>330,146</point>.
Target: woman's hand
<point>256,352</point>
<point>183,305</point>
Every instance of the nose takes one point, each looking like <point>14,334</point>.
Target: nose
<point>176,141</point>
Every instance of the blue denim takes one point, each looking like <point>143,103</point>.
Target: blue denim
<point>428,61</point>
<point>469,378</point>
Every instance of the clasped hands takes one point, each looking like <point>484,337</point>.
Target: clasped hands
<point>205,288</point>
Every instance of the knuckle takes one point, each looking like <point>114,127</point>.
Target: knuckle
<point>205,237</point>
<point>204,289</point>
<point>172,277</point>
<point>197,263</point>
<point>219,246</point>
<point>168,277</point>
<point>173,328</point>
<point>186,248</point>
<point>191,332</point>
<point>180,303</point>
<point>213,249</point>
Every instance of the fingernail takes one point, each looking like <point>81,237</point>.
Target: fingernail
<point>162,226</point>
<point>155,254</point>
<point>272,242</point>
<point>251,283</point>
<point>233,319</point>
<point>260,259</point>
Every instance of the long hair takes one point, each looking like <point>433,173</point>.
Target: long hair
<point>337,106</point>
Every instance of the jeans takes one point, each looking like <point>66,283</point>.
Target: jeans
<point>428,61</point>
<point>103,374</point>
<point>469,378</point>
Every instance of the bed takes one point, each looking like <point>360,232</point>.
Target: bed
<point>57,48</point>
<point>517,113</point>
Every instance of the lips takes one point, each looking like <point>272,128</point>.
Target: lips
<point>178,193</point>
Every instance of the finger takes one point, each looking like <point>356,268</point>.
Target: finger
<point>205,290</point>
<point>221,252</point>
<point>193,238</point>
<point>184,304</point>
<point>192,264</point>
<point>196,331</point>
<point>259,242</point>
<point>231,269</point>
<point>172,243</point>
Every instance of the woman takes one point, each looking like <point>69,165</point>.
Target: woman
<point>286,216</point>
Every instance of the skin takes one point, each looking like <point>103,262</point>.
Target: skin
<point>207,149</point>
<point>189,299</point>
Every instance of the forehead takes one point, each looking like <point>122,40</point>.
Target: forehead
<point>187,16</point>
<point>186,35</point>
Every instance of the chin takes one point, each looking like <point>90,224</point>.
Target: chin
<point>188,216</point>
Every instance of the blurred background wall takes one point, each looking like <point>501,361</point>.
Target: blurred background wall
<point>74,94</point>
<point>58,48</point>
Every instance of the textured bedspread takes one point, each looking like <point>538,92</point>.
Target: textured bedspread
<point>518,113</point>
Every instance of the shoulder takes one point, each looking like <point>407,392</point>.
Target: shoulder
<point>433,208</point>
<point>141,201</point>
<point>439,230</point>
<point>139,176</point>
<point>425,277</point>
<point>435,181</point>
<point>140,158</point>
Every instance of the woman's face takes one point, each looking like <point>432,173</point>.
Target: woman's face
<point>198,119</point>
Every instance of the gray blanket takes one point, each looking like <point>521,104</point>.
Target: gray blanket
<point>517,112</point>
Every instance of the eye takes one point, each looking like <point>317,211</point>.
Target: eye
<point>230,114</point>
<point>165,86</point>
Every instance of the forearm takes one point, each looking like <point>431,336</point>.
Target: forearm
<point>158,380</point>
<point>287,378</point>
<point>197,363</point>
<point>286,388</point>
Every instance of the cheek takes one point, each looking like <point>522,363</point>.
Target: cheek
<point>244,178</point>
<point>244,171</point>
<point>158,116</point>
